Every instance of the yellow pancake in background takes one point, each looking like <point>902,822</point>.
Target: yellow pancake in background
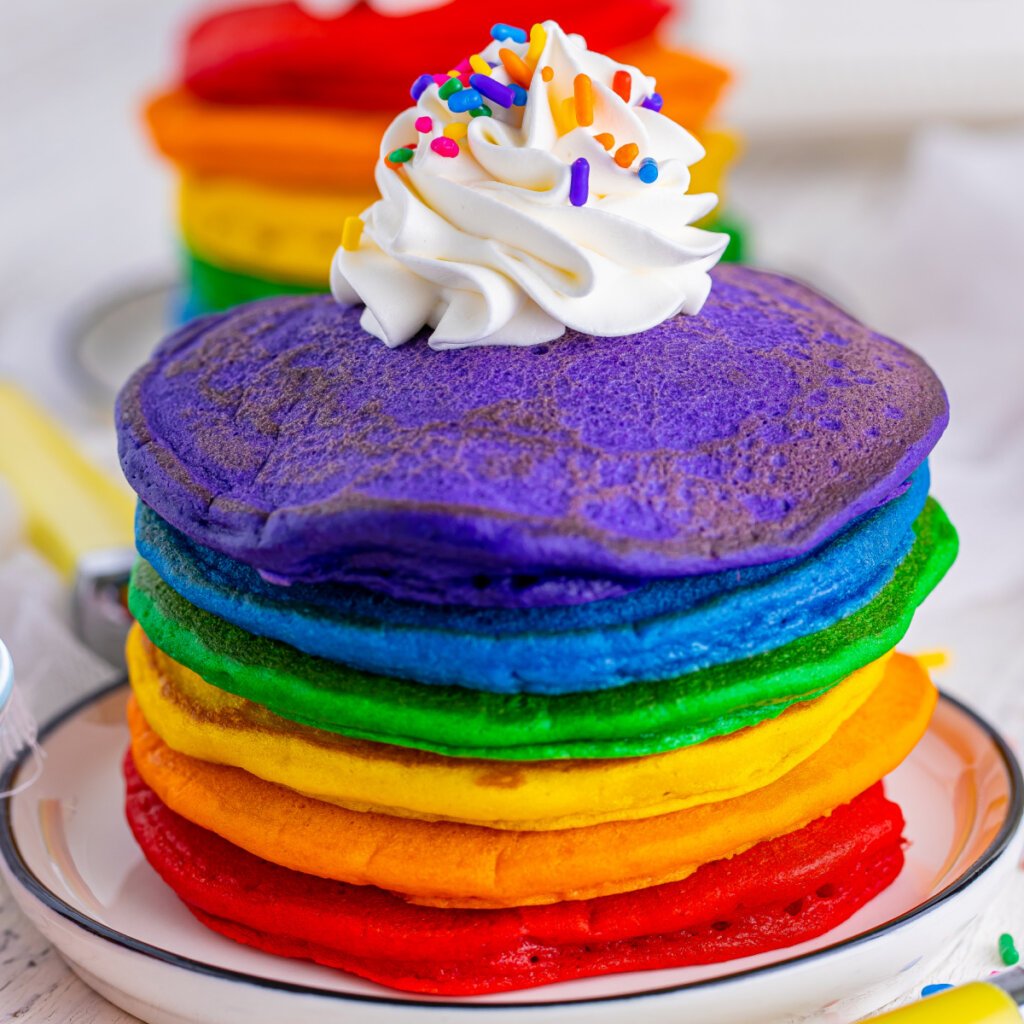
<point>708,175</point>
<point>284,234</point>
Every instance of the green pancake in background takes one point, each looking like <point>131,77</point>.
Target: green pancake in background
<point>213,289</point>
<point>627,721</point>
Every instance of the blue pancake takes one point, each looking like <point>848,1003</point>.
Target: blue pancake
<point>662,630</point>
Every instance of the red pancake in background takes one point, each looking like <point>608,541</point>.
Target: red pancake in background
<point>776,894</point>
<point>364,60</point>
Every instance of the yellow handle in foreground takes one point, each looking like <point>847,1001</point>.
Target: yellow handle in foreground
<point>976,1003</point>
<point>71,506</point>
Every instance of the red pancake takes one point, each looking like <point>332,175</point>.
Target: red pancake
<point>365,60</point>
<point>776,894</point>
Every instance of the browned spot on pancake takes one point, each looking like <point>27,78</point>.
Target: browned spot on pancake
<point>501,776</point>
<point>254,718</point>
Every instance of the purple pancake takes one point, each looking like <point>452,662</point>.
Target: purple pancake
<point>283,435</point>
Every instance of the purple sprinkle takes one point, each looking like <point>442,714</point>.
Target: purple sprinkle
<point>579,183</point>
<point>420,85</point>
<point>654,102</point>
<point>503,95</point>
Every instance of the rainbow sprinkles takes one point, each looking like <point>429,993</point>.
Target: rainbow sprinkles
<point>475,181</point>
<point>477,80</point>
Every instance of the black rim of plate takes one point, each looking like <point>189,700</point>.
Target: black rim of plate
<point>20,870</point>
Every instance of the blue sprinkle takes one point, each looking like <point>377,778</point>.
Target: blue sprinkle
<point>930,990</point>
<point>419,87</point>
<point>502,32</point>
<point>521,95</point>
<point>463,100</point>
<point>648,170</point>
<point>654,102</point>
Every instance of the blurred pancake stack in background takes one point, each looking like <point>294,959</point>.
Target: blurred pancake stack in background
<point>274,125</point>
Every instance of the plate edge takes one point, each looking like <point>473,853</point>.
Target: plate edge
<point>28,880</point>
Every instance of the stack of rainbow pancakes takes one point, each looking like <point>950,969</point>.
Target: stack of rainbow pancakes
<point>526,610</point>
<point>275,121</point>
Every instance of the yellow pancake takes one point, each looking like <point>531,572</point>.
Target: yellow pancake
<point>448,864</point>
<point>289,234</point>
<point>708,175</point>
<point>283,234</point>
<point>197,719</point>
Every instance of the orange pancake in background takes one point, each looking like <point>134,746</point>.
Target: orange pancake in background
<point>312,147</point>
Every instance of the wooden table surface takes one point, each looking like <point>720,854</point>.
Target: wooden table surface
<point>35,984</point>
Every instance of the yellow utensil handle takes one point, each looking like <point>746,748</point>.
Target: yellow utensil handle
<point>976,1003</point>
<point>71,507</point>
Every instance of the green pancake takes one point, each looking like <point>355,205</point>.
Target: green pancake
<point>627,721</point>
<point>213,289</point>
<point>736,250</point>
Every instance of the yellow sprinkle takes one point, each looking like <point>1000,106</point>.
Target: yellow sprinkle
<point>538,40</point>
<point>583,99</point>
<point>351,233</point>
<point>479,65</point>
<point>453,74</point>
<point>517,70</point>
<point>606,139</point>
<point>547,72</point>
<point>564,114</point>
<point>933,659</point>
<point>456,130</point>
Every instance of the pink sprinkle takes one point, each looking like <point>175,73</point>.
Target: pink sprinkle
<point>424,124</point>
<point>463,65</point>
<point>440,79</point>
<point>444,146</point>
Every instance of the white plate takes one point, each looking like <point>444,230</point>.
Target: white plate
<point>6,679</point>
<point>76,872</point>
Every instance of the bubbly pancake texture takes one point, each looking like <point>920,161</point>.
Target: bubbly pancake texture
<point>285,437</point>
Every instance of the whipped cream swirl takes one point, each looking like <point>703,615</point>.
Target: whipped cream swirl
<point>491,246</point>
